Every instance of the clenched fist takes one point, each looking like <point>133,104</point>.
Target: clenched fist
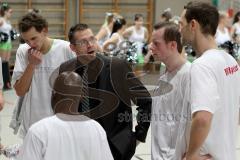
<point>34,56</point>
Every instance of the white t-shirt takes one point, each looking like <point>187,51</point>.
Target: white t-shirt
<point>222,37</point>
<point>137,35</point>
<point>169,112</point>
<point>55,139</point>
<point>215,87</point>
<point>37,101</point>
<point>6,27</point>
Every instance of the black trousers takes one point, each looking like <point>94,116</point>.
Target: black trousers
<point>6,75</point>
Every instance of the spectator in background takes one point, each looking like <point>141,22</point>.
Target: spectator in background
<point>5,44</point>
<point>222,34</point>
<point>235,30</point>
<point>106,30</point>
<point>137,33</point>
<point>116,36</point>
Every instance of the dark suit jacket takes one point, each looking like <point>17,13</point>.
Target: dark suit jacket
<point>112,87</point>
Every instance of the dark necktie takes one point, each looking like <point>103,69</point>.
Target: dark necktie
<point>85,100</point>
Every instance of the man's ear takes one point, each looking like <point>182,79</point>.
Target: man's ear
<point>72,47</point>
<point>172,44</point>
<point>45,30</point>
<point>194,24</point>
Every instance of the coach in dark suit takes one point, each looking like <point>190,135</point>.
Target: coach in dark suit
<point>112,87</point>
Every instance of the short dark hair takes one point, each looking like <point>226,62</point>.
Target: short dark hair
<point>67,92</point>
<point>74,29</point>
<point>4,7</point>
<point>171,33</point>
<point>32,20</point>
<point>137,17</point>
<point>206,14</point>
